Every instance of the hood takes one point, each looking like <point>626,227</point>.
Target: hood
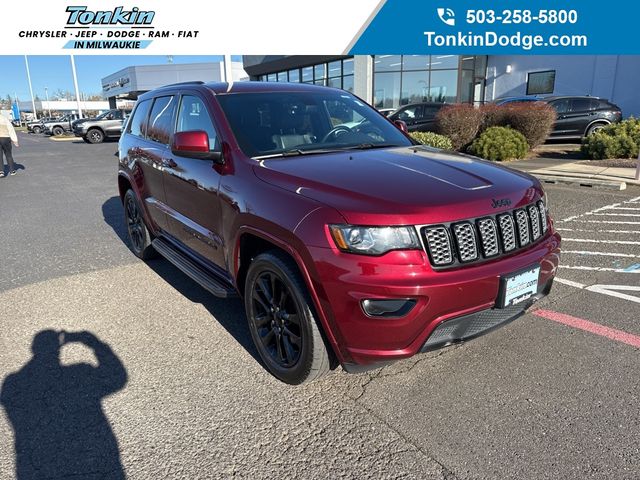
<point>403,185</point>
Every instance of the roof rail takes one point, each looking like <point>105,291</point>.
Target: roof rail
<point>194,82</point>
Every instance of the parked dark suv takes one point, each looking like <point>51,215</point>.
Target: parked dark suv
<point>347,241</point>
<point>577,117</point>
<point>581,116</point>
<point>105,125</point>
<point>419,117</point>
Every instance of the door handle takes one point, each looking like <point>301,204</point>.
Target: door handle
<point>169,163</point>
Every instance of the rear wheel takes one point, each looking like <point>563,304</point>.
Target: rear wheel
<point>57,131</point>
<point>282,321</point>
<point>595,128</point>
<point>94,136</point>
<point>139,236</point>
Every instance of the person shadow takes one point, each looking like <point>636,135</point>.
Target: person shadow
<point>60,428</point>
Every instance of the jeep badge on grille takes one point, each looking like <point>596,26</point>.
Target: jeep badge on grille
<point>500,202</point>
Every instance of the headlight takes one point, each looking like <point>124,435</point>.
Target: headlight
<point>374,240</point>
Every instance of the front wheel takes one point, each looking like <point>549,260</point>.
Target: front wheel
<point>57,131</point>
<point>282,321</point>
<point>139,236</point>
<point>36,130</point>
<point>94,136</point>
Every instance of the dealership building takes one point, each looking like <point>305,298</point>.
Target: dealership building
<point>389,81</point>
<point>130,82</point>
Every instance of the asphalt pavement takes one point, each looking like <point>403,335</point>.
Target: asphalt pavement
<point>166,383</point>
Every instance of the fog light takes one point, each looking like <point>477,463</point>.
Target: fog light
<point>388,308</point>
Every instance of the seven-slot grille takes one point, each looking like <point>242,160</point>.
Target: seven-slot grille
<point>487,237</point>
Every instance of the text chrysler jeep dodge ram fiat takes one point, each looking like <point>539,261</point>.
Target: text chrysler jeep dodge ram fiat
<point>347,241</point>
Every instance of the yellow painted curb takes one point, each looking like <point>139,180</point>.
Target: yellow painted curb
<point>64,139</point>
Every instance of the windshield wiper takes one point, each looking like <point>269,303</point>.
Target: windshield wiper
<point>368,146</point>
<point>294,152</point>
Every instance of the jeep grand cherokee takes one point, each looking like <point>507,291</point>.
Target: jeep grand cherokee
<point>347,241</point>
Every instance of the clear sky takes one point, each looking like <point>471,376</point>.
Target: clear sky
<point>54,72</point>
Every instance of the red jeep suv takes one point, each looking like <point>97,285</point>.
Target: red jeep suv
<point>347,241</point>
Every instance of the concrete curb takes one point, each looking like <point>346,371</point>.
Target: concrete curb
<point>581,181</point>
<point>64,139</point>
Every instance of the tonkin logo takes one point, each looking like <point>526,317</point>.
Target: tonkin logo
<point>117,16</point>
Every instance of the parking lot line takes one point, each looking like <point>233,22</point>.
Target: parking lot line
<point>590,240</point>
<point>601,254</point>
<point>607,221</point>
<point>598,269</point>
<point>562,229</point>
<point>591,327</point>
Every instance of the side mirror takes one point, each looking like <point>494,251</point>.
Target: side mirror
<point>194,144</point>
<point>401,125</point>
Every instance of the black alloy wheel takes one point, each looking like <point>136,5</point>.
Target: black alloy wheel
<point>282,321</point>
<point>139,237</point>
<point>95,136</point>
<point>277,319</point>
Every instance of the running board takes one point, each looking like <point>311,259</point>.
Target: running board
<point>207,280</point>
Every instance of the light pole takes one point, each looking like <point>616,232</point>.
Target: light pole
<point>46,94</point>
<point>33,102</point>
<point>75,84</point>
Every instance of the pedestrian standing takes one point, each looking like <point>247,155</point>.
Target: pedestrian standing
<point>8,138</point>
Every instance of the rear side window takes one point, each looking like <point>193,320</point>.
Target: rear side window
<point>161,120</point>
<point>582,105</point>
<point>138,124</point>
<point>193,115</point>
<point>561,106</point>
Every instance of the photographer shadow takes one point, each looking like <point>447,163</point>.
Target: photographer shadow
<point>60,428</point>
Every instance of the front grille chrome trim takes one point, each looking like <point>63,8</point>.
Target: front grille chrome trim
<point>481,239</point>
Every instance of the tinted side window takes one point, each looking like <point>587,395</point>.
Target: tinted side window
<point>581,105</point>
<point>561,106</point>
<point>410,114</point>
<point>193,115</point>
<point>138,124</point>
<point>161,119</point>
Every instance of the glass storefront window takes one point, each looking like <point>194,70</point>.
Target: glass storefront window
<point>335,82</point>
<point>319,73</point>
<point>347,83</point>
<point>307,74</point>
<point>294,75</point>
<point>282,76</point>
<point>387,63</point>
<point>272,77</point>
<point>415,62</point>
<point>347,66</point>
<point>386,92</point>
<point>439,62</point>
<point>415,87</point>
<point>443,87</point>
<point>335,69</point>
<point>466,86</point>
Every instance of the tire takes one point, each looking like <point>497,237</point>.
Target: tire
<point>294,351</point>
<point>94,136</point>
<point>594,128</point>
<point>36,129</point>
<point>139,236</point>
<point>57,131</point>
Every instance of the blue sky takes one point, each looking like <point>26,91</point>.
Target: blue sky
<point>54,72</point>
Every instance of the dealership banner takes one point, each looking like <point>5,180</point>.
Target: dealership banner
<point>331,26</point>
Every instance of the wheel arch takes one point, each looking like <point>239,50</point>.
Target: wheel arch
<point>250,243</point>
<point>599,121</point>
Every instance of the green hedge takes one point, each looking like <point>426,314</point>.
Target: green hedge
<point>500,144</point>
<point>433,140</point>
<point>618,140</point>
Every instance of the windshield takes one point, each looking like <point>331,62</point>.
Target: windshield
<point>273,124</point>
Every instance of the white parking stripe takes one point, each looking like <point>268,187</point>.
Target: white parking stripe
<point>606,214</point>
<point>597,269</point>
<point>605,289</point>
<point>589,240</point>
<point>615,223</point>
<point>562,229</point>
<point>602,254</point>
<point>633,209</point>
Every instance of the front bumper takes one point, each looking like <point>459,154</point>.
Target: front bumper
<point>344,281</point>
